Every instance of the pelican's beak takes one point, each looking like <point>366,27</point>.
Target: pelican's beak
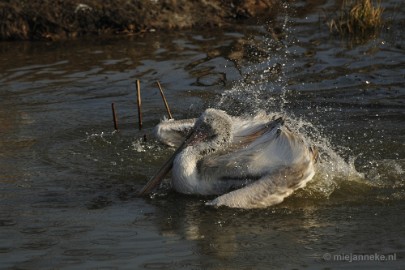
<point>167,166</point>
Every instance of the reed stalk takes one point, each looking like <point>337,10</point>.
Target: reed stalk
<point>164,100</point>
<point>114,116</point>
<point>139,102</point>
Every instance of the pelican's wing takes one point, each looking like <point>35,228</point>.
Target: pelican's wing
<point>173,132</point>
<point>277,150</point>
<point>242,159</point>
<point>246,131</point>
<point>271,189</point>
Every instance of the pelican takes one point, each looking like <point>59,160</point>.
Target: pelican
<point>249,162</point>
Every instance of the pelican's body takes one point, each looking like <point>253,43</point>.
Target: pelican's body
<point>251,162</point>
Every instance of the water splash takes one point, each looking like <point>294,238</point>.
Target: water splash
<point>101,137</point>
<point>386,173</point>
<point>332,168</point>
<point>264,86</point>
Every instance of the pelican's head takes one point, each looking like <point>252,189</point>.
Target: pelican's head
<point>214,127</point>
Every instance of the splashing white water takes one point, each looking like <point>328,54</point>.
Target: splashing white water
<point>332,168</point>
<point>264,87</point>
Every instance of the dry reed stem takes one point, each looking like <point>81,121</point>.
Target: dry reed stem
<point>164,100</point>
<point>139,102</point>
<point>114,116</point>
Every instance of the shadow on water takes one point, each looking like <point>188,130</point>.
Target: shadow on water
<point>68,181</point>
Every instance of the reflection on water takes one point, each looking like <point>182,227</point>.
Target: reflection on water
<point>68,180</point>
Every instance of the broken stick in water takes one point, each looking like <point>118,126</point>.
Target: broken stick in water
<point>139,102</point>
<point>164,100</point>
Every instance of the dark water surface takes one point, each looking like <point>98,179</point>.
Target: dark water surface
<point>68,181</point>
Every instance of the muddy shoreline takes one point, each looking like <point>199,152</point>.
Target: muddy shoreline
<point>67,19</point>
